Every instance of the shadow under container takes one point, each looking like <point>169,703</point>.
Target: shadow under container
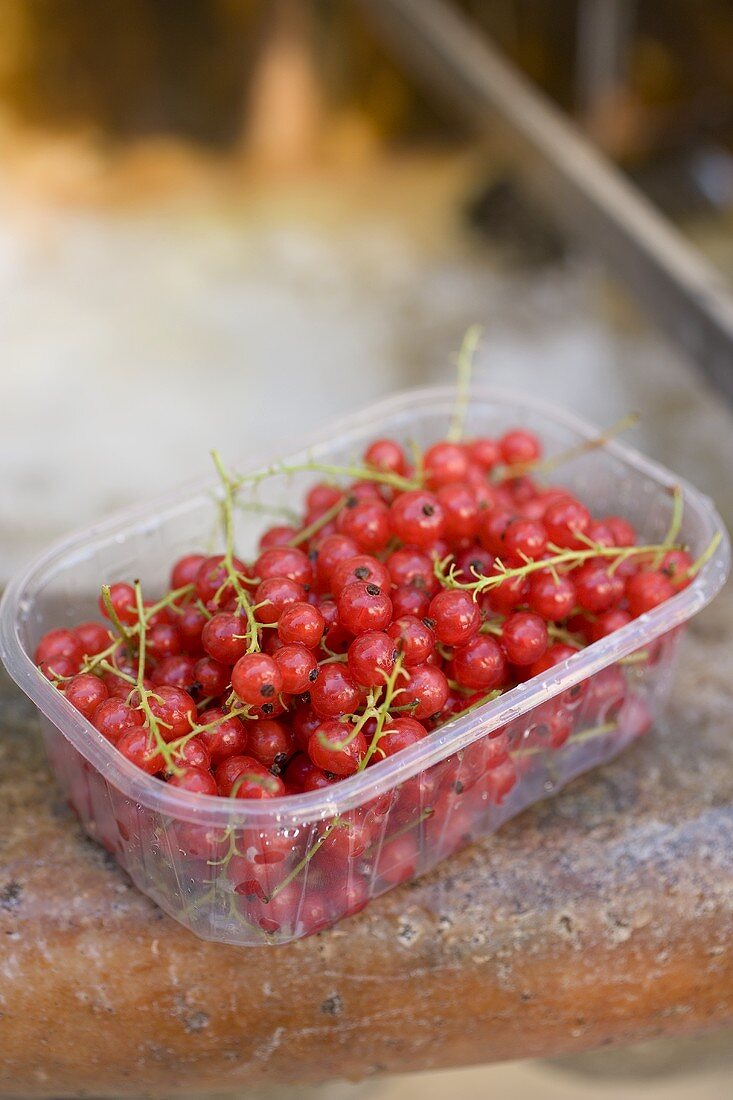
<point>271,871</point>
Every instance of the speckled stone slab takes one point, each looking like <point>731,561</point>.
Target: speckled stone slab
<point>604,915</point>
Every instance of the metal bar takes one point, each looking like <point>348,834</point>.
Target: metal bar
<point>687,298</point>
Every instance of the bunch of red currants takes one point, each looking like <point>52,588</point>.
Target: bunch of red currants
<point>411,592</point>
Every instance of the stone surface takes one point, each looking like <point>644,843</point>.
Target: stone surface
<point>602,916</point>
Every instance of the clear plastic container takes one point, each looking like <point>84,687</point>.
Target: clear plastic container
<point>267,872</point>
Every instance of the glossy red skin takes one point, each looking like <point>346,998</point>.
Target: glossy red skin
<point>193,779</point>
<point>298,668</point>
<point>256,679</point>
<point>417,518</point>
<point>270,742</point>
<point>185,570</point>
<point>273,595</point>
<point>364,606</point>
<point>224,637</point>
<point>227,738</point>
<point>413,638</point>
<point>427,688</point>
<point>86,692</point>
<point>301,623</point>
<point>175,711</point>
<point>371,657</point>
<point>480,664</point>
<point>456,616</point>
<point>94,637</point>
<point>284,561</point>
<point>334,692</point>
<point>113,716</point>
<point>334,755</point>
<point>362,567</point>
<point>524,637</point>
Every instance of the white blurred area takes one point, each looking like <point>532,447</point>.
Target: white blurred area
<point>243,313</point>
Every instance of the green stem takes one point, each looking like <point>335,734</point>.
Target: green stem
<point>314,527</point>
<point>391,691</point>
<point>357,473</point>
<point>143,693</point>
<point>337,823</point>
<point>243,601</point>
<point>547,465</point>
<point>562,557</point>
<point>464,364</point>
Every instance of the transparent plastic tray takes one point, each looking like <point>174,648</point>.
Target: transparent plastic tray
<point>267,872</point>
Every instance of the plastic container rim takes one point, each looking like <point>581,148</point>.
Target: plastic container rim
<point>450,738</point>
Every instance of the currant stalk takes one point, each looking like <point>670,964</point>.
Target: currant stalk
<point>243,601</point>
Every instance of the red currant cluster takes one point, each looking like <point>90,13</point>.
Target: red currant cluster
<point>416,592</point>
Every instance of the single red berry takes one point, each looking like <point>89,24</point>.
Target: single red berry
<point>176,671</point>
<point>426,691</point>
<point>399,734</point>
<point>274,595</point>
<point>93,637</point>
<point>519,446</point>
<point>227,736</point>
<point>212,676</point>
<point>163,640</point>
<point>195,752</point>
<point>298,668</point>
<point>174,710</point>
<point>301,623</point>
<point>485,452</point>
<point>113,716</point>
<point>86,692</point>
<point>509,594</point>
<point>364,606</point>
<point>138,745</point>
<point>676,565</point>
<point>460,510</point>
<point>123,600</point>
<point>191,623</point>
<point>411,566</point>
<point>524,539</point>
<point>412,638</point>
<point>524,637</point>
<point>280,535</point>
<point>335,748</point>
<point>445,463</point>
<point>474,561</point>
<point>409,600</point>
<point>322,497</point>
<point>417,518</point>
<point>212,581</point>
<point>362,567</point>
<point>645,591</point>
<point>303,774</point>
<point>564,521</point>
<point>271,743</point>
<point>371,658</point>
<point>622,531</point>
<point>386,455</point>
<point>334,692</point>
<point>551,595</point>
<point>366,522</point>
<point>193,779</point>
<point>186,570</point>
<point>492,528</point>
<point>456,617</point>
<point>596,588</point>
<point>284,561</point>
<point>607,623</point>
<point>480,664</point>
<point>553,655</point>
<point>59,643</point>
<point>256,679</point>
<point>329,552</point>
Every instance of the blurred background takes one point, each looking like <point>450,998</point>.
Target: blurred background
<point>224,222</point>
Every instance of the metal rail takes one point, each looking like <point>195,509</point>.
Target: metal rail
<point>687,298</point>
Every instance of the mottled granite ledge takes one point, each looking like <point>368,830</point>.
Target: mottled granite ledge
<point>602,916</point>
